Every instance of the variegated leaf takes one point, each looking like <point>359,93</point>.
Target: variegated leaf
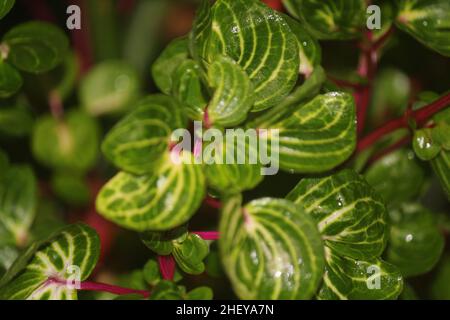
<point>270,249</point>
<point>162,200</point>
<point>331,19</point>
<point>428,21</point>
<point>190,253</point>
<point>136,144</point>
<point>349,279</point>
<point>233,92</point>
<point>316,136</point>
<point>257,38</point>
<point>350,216</point>
<point>48,270</point>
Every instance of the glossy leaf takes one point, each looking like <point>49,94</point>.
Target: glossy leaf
<point>257,38</point>
<point>316,136</point>
<point>162,242</point>
<point>190,253</point>
<point>350,215</point>
<point>5,7</point>
<point>166,290</point>
<point>18,196</point>
<point>270,249</point>
<point>397,177</point>
<point>36,46</point>
<point>416,243</point>
<point>137,143</point>
<point>71,144</point>
<point>348,279</point>
<point>428,21</point>
<point>424,146</point>
<point>10,80</point>
<point>111,87</point>
<point>46,270</point>
<point>161,201</point>
<point>164,68</point>
<point>151,272</point>
<point>331,19</point>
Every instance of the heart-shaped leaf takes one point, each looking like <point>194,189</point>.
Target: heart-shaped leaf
<point>270,249</point>
<point>257,38</point>
<point>428,21</point>
<point>111,87</point>
<point>190,253</point>
<point>136,144</point>
<point>18,197</point>
<point>233,92</point>
<point>416,243</point>
<point>5,7</point>
<point>331,19</point>
<point>316,136</point>
<point>161,201</point>
<point>348,279</point>
<point>71,144</point>
<point>10,80</point>
<point>36,46</point>
<point>49,270</point>
<point>350,215</point>
<point>164,68</point>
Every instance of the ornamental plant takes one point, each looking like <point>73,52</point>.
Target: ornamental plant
<point>331,92</point>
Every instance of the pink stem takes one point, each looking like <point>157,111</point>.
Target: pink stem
<point>167,267</point>
<point>213,203</point>
<point>208,235</point>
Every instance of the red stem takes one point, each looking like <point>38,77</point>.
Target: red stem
<point>167,267</point>
<point>208,235</point>
<point>420,117</point>
<point>213,203</point>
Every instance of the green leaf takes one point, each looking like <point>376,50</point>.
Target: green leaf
<point>424,146</point>
<point>71,188</point>
<point>309,48</point>
<point>162,242</point>
<point>164,68</point>
<point>440,289</point>
<point>46,269</point>
<point>428,21</point>
<point>5,7</point>
<point>233,92</point>
<point>416,243</point>
<point>10,80</point>
<point>8,253</point>
<point>200,293</point>
<point>136,144</point>
<point>109,88</point>
<point>164,200</point>
<point>36,46</point>
<point>16,121</point>
<point>18,195</point>
<point>257,38</point>
<point>331,19</point>
<point>235,177</point>
<point>316,136</point>
<point>187,88</point>
<point>151,272</point>
<point>397,177</point>
<point>166,290</point>
<point>190,253</point>
<point>70,144</point>
<point>408,293</point>
<point>441,166</point>
<point>348,279</point>
<point>350,215</point>
<point>270,249</point>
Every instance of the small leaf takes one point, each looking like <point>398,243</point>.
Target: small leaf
<point>18,196</point>
<point>164,200</point>
<point>16,121</point>
<point>111,87</point>
<point>348,279</point>
<point>257,38</point>
<point>331,19</point>
<point>71,144</point>
<point>233,90</point>
<point>71,188</point>
<point>136,144</point>
<point>166,290</point>
<point>151,272</point>
<point>350,216</point>
<point>10,80</point>
<point>164,68</point>
<point>416,243</point>
<point>397,177</point>
<point>424,146</point>
<point>200,293</point>
<point>270,249</point>
<point>45,270</point>
<point>428,21</point>
<point>162,242</point>
<point>316,136</point>
<point>190,253</point>
<point>36,46</point>
<point>5,7</point>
